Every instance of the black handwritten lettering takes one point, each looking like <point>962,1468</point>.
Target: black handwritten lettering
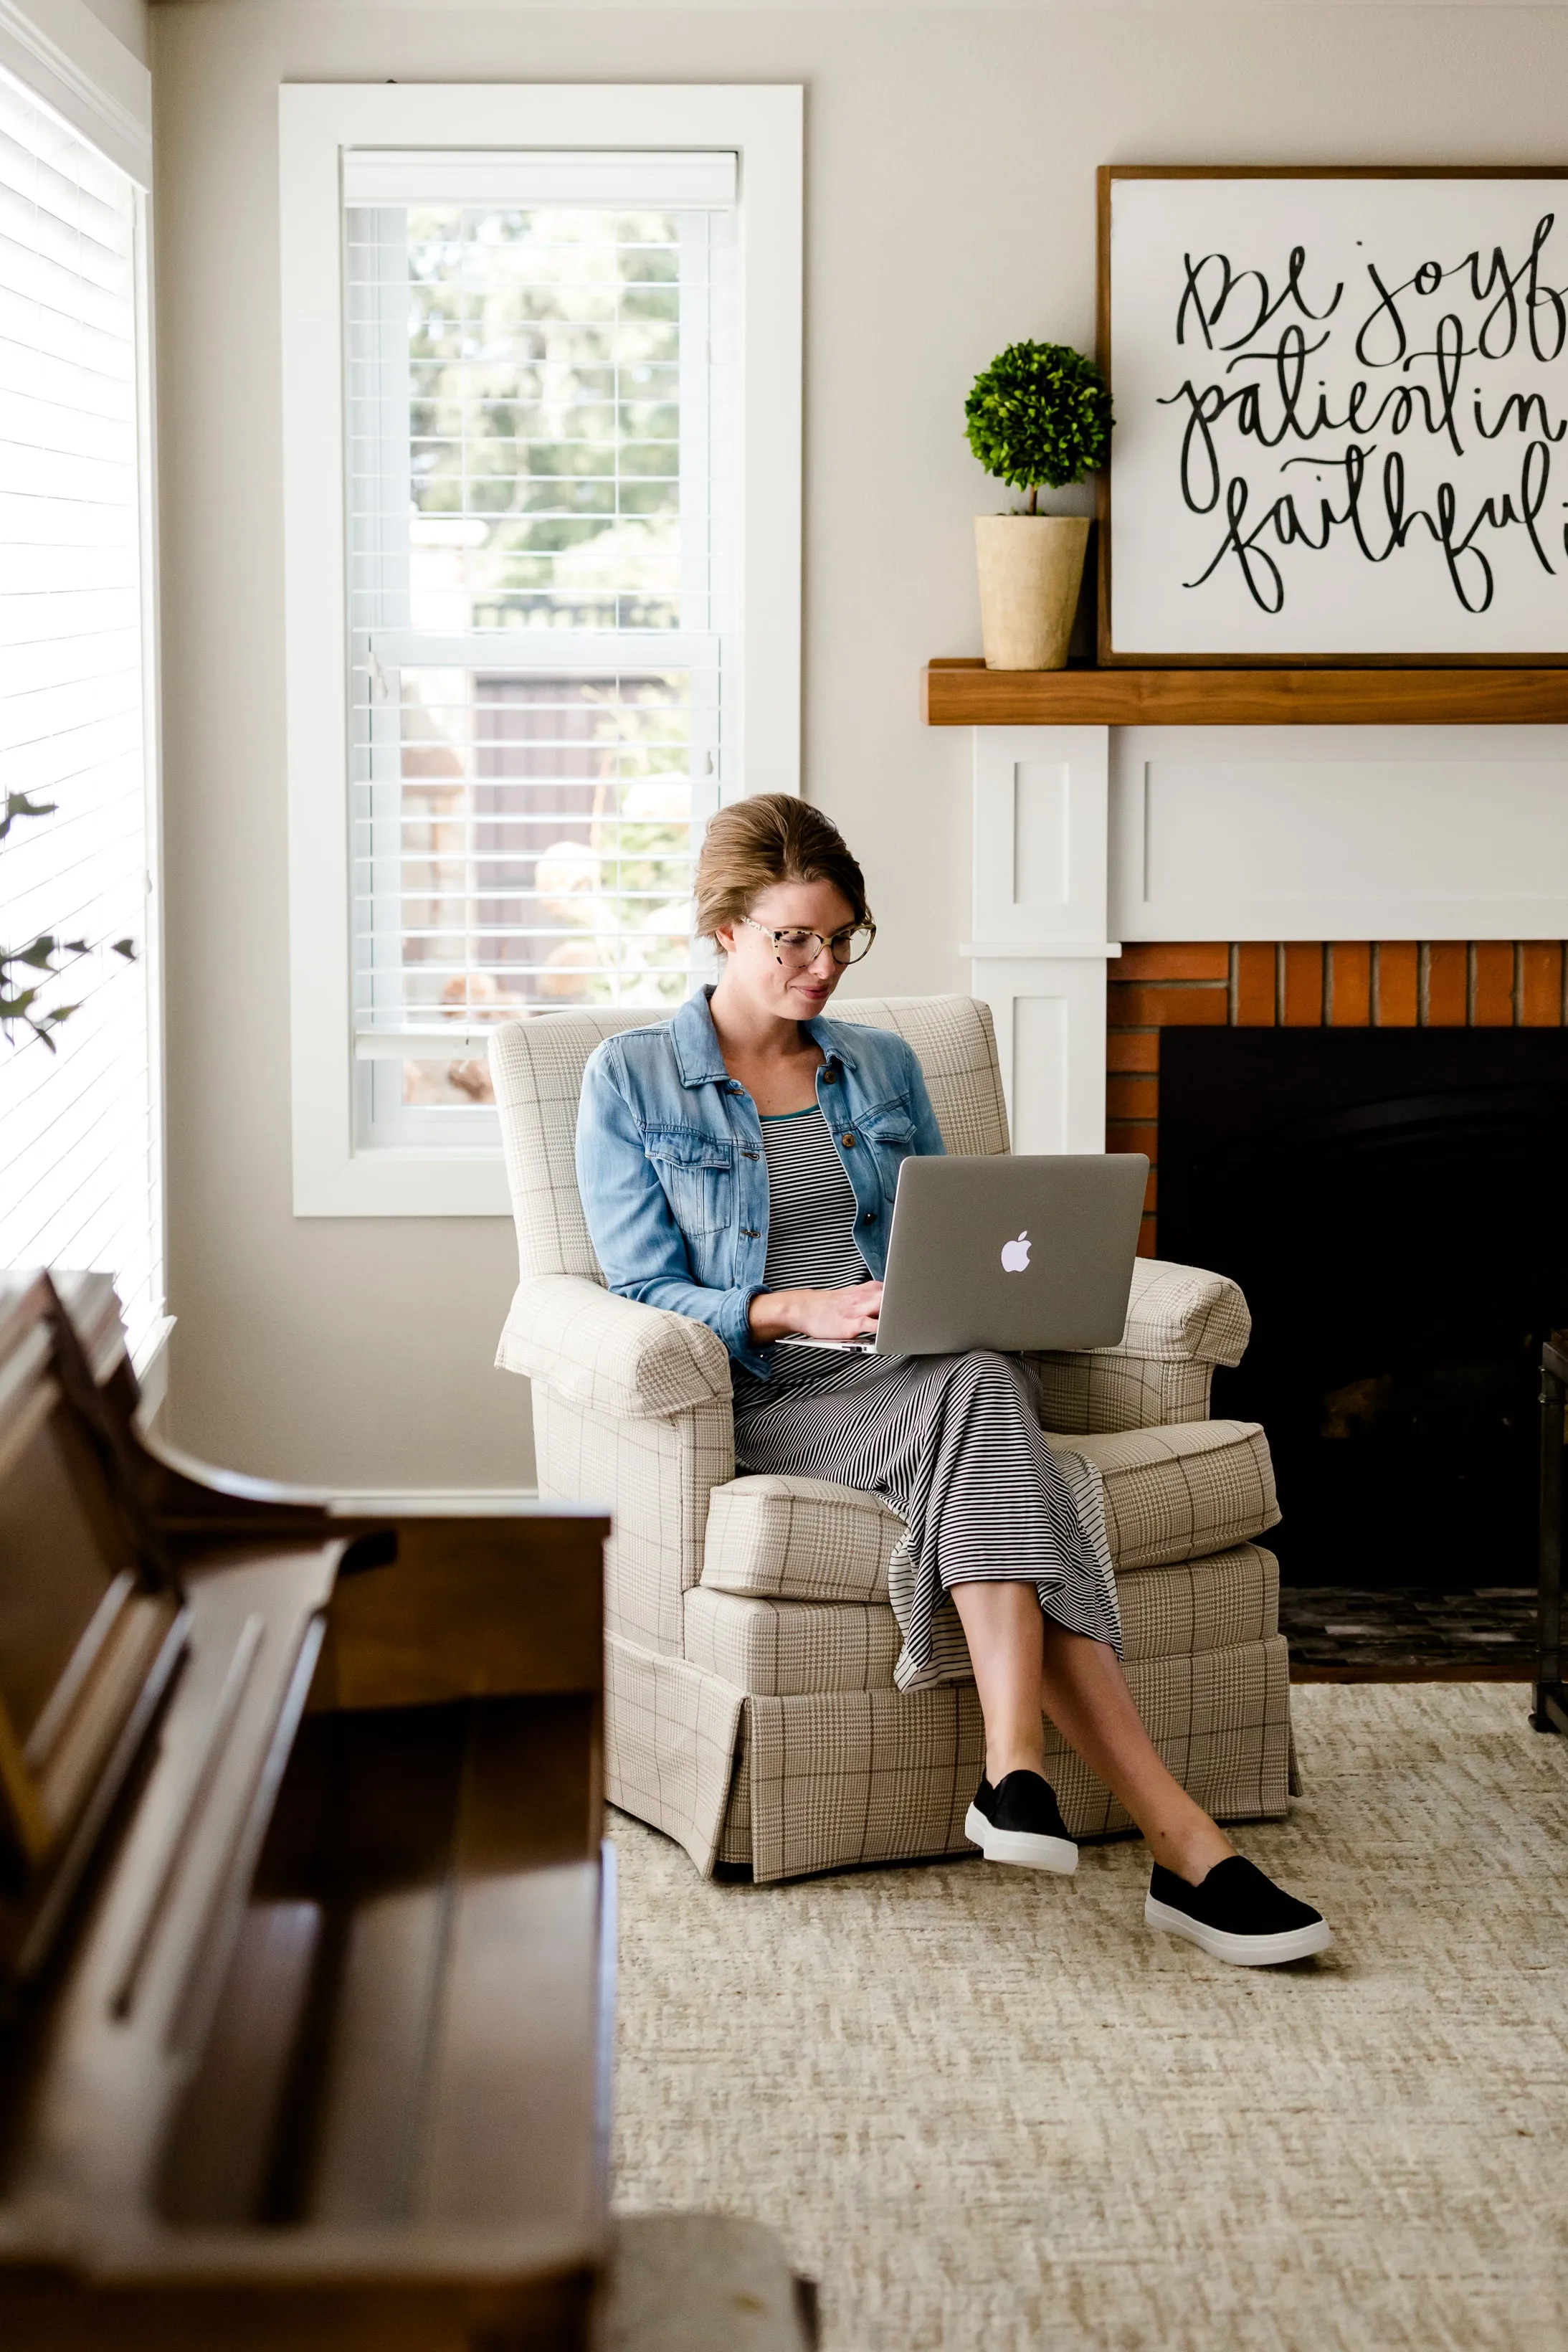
<point>1469,570</point>
<point>1387,309</point>
<point>1519,408</point>
<point>1211,310</point>
<point>1540,297</point>
<point>1450,351</point>
<point>1392,403</point>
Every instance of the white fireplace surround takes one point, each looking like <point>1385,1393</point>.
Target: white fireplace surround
<point>1089,836</point>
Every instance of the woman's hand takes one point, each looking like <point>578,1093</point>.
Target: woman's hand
<point>817,1314</point>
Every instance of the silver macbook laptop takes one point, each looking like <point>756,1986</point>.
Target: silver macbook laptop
<point>1014,1253</point>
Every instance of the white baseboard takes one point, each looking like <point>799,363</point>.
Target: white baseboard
<point>433,1500</point>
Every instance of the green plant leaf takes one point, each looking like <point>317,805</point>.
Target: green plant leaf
<point>1039,413</point>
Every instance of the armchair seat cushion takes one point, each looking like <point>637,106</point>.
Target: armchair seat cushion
<point>1176,1494</point>
<point>799,1539</point>
<point>1183,1492</point>
<point>787,1649</point>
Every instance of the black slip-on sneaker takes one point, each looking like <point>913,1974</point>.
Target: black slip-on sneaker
<point>1236,1915</point>
<point>1018,1821</point>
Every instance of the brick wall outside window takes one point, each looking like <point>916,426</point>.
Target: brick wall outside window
<point>1307,984</point>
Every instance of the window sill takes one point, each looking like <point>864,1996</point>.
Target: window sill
<point>404,1183</point>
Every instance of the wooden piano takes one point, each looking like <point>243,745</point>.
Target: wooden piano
<point>302,1913</point>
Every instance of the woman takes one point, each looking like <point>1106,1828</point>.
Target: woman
<point>738,1164</point>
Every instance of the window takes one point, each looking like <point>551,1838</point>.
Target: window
<point>541,366</point>
<point>557,401</point>
<point>80,1155</point>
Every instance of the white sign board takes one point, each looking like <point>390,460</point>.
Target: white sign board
<point>1341,417</point>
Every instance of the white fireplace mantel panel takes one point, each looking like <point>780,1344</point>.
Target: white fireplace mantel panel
<point>1040,838</point>
<point>1040,946</point>
<point>1347,833</point>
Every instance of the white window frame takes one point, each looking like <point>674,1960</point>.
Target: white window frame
<point>333,1176</point>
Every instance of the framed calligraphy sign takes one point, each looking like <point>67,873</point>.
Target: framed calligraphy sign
<point>1342,416</point>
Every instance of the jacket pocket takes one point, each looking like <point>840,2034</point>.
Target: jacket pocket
<point>890,1134</point>
<point>697,1173</point>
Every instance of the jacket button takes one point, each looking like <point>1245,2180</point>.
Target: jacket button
<point>750,1155</point>
<point>751,1232</point>
<point>847,1139</point>
<point>830,1077</point>
<point>869,1218</point>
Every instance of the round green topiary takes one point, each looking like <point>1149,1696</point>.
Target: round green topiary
<point>1039,413</point>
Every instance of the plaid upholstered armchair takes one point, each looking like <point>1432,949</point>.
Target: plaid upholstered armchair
<point>751,1712</point>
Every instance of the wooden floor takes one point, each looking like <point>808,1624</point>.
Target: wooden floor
<point>1338,1635</point>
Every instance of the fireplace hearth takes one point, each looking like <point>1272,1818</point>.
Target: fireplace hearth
<point>1395,1204</point>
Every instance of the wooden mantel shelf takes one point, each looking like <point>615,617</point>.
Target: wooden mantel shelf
<point>962,692</point>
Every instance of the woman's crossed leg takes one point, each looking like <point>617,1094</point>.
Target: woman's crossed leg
<point>1026,1667</point>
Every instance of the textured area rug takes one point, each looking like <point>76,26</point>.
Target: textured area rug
<point>990,2111</point>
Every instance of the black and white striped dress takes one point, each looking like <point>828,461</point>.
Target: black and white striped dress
<point>953,1443</point>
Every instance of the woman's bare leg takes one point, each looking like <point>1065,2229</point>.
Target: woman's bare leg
<point>1023,1664</point>
<point>1087,1698</point>
<point>1006,1634</point>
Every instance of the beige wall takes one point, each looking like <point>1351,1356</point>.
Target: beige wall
<point>950,210</point>
<point>128,21</point>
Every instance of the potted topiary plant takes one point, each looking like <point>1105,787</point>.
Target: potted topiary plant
<point>1039,413</point>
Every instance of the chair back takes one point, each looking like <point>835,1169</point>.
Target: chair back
<point>537,1068</point>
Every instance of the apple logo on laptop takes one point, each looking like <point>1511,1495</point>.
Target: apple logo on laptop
<point>1015,1254</point>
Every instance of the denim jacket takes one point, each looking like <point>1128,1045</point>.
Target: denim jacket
<point>673,1174</point>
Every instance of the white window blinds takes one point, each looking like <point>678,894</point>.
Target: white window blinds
<point>542,457</point>
<point>79,1160</point>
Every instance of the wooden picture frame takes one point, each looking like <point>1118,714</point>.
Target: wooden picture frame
<point>1512,448</point>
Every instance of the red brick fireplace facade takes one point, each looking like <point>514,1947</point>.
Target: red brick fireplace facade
<point>1307,984</point>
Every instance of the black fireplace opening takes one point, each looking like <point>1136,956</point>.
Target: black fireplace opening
<point>1394,1205</point>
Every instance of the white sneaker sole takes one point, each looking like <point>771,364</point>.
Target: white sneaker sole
<point>1022,1847</point>
<point>1241,1951</point>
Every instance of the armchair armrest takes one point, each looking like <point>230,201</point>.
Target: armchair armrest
<point>1181,1322</point>
<point>640,1362</point>
<point>1180,1315</point>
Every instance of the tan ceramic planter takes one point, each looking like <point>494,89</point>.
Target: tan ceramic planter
<point>1030,569</point>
